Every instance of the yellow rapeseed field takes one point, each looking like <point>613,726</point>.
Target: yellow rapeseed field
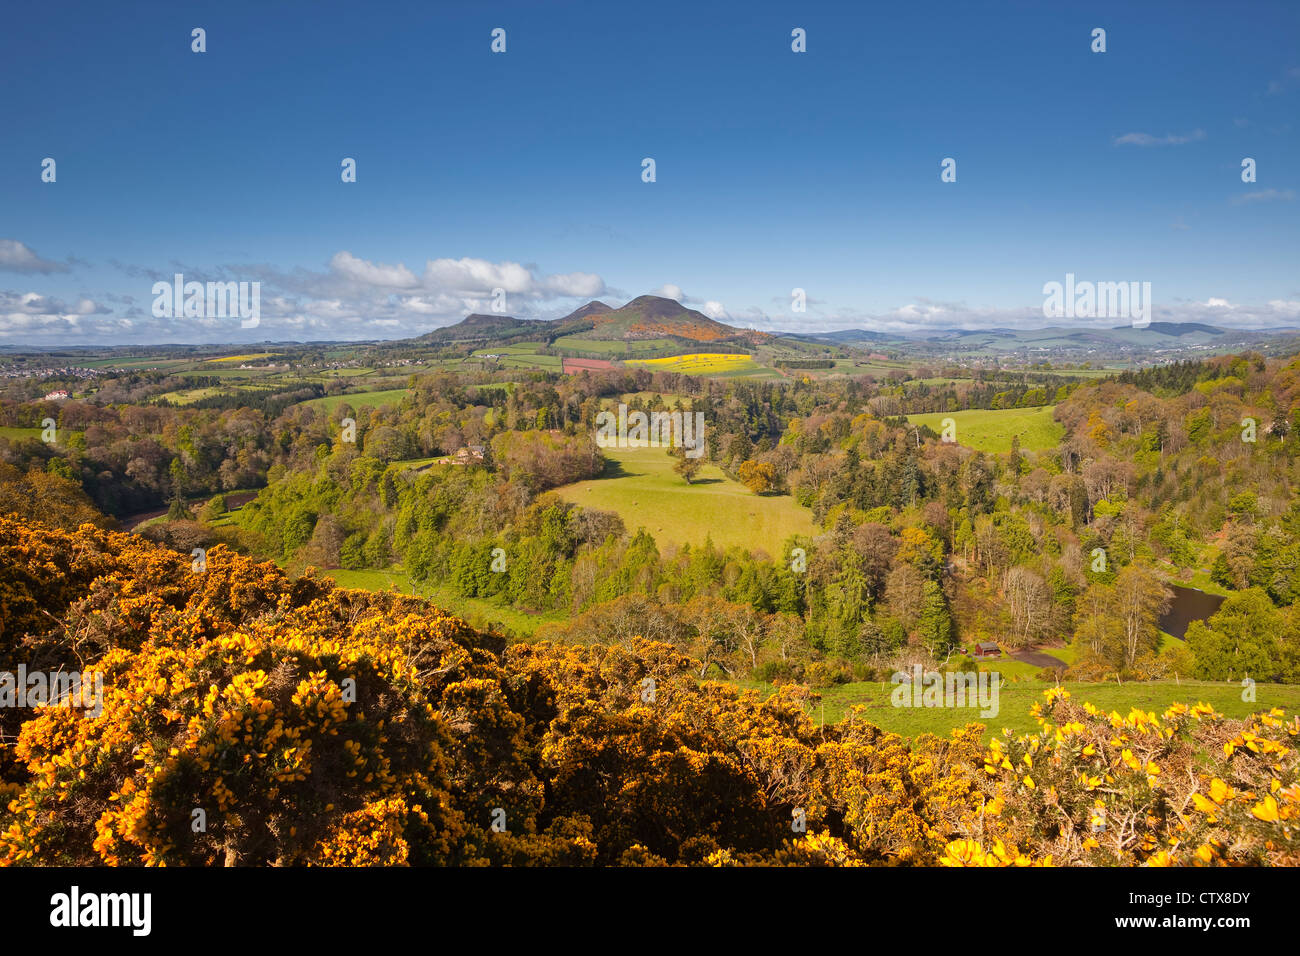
<point>698,363</point>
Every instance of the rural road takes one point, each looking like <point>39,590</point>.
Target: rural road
<point>1039,659</point>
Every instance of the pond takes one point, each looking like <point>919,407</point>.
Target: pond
<point>1188,605</point>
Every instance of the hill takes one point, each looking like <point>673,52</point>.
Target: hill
<point>595,307</point>
<point>652,316</point>
<point>1122,344</point>
<point>477,328</point>
<point>647,317</point>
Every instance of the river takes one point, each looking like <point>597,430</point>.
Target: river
<point>1188,605</point>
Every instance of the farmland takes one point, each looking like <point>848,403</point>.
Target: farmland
<point>251,357</point>
<point>1016,697</point>
<point>330,403</point>
<point>717,364</point>
<point>611,348</point>
<point>640,485</point>
<point>523,355</point>
<point>991,430</point>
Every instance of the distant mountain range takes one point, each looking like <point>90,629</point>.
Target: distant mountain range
<point>655,318</point>
<point>1156,338</point>
<point>655,325</point>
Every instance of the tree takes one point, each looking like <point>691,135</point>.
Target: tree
<point>875,547</point>
<point>1140,598</point>
<point>686,467</point>
<point>1029,601</point>
<point>1097,626</point>
<point>1246,637</point>
<point>935,626</point>
<point>324,548</point>
<point>758,476</point>
<point>906,594</point>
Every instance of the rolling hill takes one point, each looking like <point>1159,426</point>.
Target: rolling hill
<point>652,327</point>
<point>645,317</point>
<point>1156,335</point>
<point>653,317</point>
<point>476,329</point>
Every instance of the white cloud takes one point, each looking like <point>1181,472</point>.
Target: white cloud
<point>926,316</point>
<point>18,257</point>
<point>670,291</point>
<point>369,273</point>
<point>1265,195</point>
<point>1146,139</point>
<point>585,285</point>
<point>477,276</point>
<point>358,298</point>
<point>32,312</point>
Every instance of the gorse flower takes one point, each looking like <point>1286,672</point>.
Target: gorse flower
<point>253,719</point>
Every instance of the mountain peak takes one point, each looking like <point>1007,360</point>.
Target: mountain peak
<point>657,306</point>
<point>594,307</point>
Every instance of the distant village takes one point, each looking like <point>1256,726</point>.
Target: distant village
<point>13,371</point>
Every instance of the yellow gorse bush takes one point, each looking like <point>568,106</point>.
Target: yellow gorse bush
<point>253,719</point>
<point>1137,789</point>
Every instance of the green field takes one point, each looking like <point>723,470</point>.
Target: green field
<point>188,395</point>
<point>575,343</point>
<point>992,429</point>
<point>476,611</point>
<point>640,485</point>
<point>330,403</point>
<point>518,356</point>
<point>669,399</point>
<point>520,348</point>
<point>1016,697</point>
<point>878,368</point>
<point>343,373</point>
<point>14,433</point>
<point>547,362</point>
<point>160,363</point>
<point>416,463</point>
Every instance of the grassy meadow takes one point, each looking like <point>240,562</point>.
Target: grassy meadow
<point>992,430</point>
<point>476,611</point>
<point>640,484</point>
<point>1016,697</point>
<point>14,433</point>
<point>330,403</point>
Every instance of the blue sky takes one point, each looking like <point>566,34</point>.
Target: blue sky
<point>522,170</point>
